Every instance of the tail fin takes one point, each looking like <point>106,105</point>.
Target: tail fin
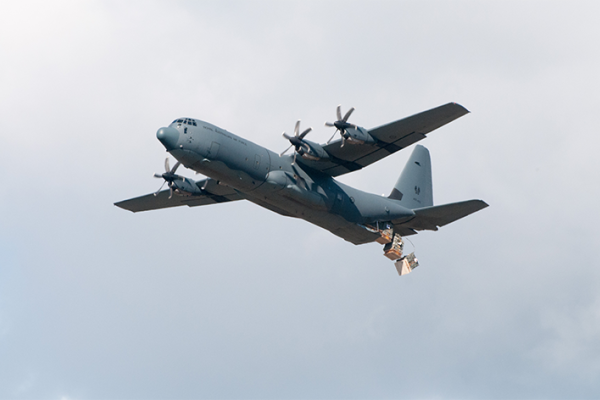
<point>414,187</point>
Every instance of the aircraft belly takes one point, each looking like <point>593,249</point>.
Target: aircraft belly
<point>349,231</point>
<point>293,188</point>
<point>285,203</point>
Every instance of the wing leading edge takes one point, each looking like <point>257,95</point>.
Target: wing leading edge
<point>213,194</point>
<point>390,138</point>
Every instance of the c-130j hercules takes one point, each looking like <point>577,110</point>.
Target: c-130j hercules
<point>302,185</point>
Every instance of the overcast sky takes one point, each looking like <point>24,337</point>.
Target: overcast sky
<point>233,301</point>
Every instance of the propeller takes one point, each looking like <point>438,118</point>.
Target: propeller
<point>341,124</point>
<point>169,177</point>
<point>296,141</point>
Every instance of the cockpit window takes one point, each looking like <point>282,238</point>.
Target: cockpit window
<point>187,121</point>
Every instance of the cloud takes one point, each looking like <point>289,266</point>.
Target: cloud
<point>232,300</point>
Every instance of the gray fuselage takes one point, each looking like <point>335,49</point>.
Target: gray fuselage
<point>278,184</point>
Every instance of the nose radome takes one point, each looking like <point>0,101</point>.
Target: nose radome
<point>168,137</point>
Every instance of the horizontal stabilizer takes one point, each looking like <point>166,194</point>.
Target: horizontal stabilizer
<point>431,218</point>
<point>212,193</point>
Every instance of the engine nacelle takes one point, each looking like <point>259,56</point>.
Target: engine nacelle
<point>186,187</point>
<point>358,136</point>
<point>313,151</point>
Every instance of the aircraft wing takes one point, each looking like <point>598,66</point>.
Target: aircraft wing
<point>430,218</point>
<point>213,193</point>
<point>390,138</point>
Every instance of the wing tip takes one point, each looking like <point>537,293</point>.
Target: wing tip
<point>121,206</point>
<point>463,108</point>
<point>483,204</point>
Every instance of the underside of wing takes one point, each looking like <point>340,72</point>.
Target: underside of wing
<point>431,218</point>
<point>389,139</point>
<point>212,193</point>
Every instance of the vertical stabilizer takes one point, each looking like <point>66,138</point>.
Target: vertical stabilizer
<point>414,188</point>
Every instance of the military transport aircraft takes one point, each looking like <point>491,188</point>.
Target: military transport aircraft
<point>302,185</point>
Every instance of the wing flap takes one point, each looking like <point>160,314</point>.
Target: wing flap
<point>214,193</point>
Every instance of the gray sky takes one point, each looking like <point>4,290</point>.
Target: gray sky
<point>233,301</point>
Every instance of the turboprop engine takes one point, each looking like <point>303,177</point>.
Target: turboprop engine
<point>177,184</point>
<point>307,149</point>
<point>350,133</point>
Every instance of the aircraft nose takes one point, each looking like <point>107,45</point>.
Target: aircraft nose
<point>168,137</point>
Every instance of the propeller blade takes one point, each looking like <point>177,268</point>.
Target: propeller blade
<point>331,138</point>
<point>294,162</point>
<point>171,192</point>
<point>297,128</point>
<point>167,167</point>
<point>296,140</point>
<point>339,112</point>
<point>343,141</point>
<point>175,167</point>
<point>350,111</point>
<point>158,175</point>
<point>329,124</point>
<point>286,150</point>
<point>160,188</point>
<point>305,133</point>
